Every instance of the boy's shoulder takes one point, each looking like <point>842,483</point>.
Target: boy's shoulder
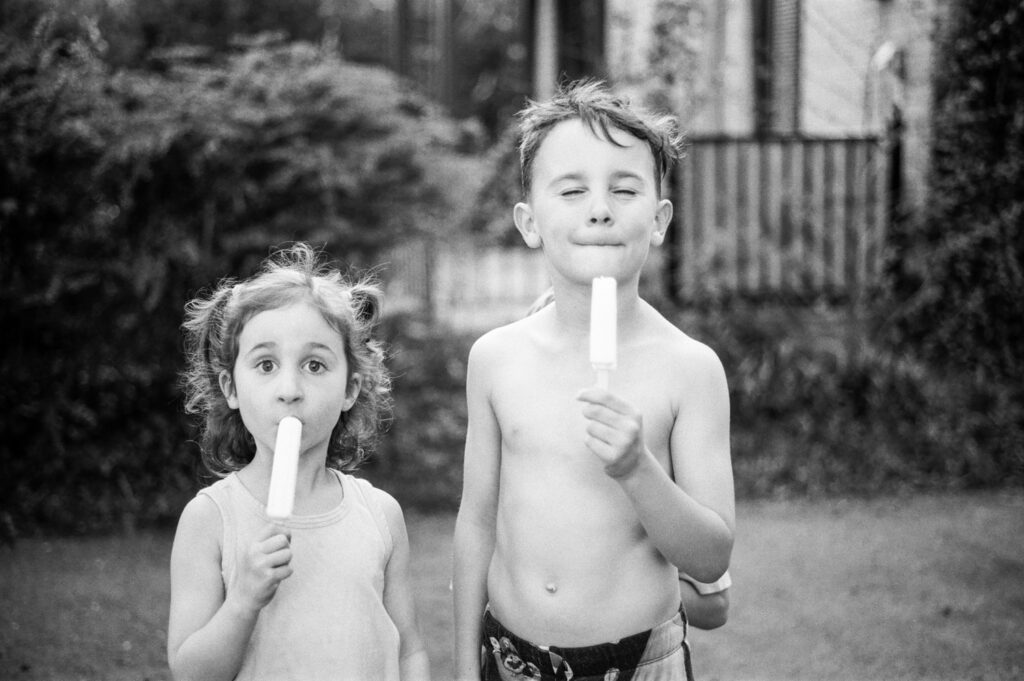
<point>511,335</point>
<point>672,343</point>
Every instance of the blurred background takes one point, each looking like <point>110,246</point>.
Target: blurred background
<point>847,232</point>
<point>848,236</point>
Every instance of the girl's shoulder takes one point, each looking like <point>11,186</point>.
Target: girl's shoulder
<point>384,508</point>
<point>375,496</point>
<point>200,523</point>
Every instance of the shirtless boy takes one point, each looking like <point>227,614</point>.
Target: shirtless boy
<point>581,505</point>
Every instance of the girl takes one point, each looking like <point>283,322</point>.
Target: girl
<point>325,594</point>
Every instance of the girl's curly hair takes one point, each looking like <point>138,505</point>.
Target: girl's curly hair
<point>213,324</point>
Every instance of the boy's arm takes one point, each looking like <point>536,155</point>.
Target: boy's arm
<point>706,605</point>
<point>691,523</point>
<point>414,664</point>
<point>475,524</point>
<point>208,630</point>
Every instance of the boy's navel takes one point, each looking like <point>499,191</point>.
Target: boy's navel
<point>551,587</point>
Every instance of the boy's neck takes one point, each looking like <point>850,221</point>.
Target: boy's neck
<point>572,306</point>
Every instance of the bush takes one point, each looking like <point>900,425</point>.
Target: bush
<point>419,459</point>
<point>123,194</point>
<point>821,407</point>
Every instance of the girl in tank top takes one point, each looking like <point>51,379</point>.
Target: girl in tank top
<point>325,592</point>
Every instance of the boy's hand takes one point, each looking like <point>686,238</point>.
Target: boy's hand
<point>261,568</point>
<point>615,431</point>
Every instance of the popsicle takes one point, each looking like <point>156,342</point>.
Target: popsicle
<point>281,497</point>
<point>602,328</point>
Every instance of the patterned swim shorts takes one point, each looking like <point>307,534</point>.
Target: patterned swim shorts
<point>660,653</point>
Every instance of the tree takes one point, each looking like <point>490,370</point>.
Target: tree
<point>962,265</point>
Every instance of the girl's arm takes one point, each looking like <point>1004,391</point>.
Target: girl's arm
<point>475,525</point>
<point>398,596</point>
<point>209,628</point>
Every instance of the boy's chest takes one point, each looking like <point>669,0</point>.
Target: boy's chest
<point>538,412</point>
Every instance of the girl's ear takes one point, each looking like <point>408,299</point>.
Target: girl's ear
<point>355,384</point>
<point>227,386</point>
<point>522,215</point>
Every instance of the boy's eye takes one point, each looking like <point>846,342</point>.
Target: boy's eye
<point>571,192</point>
<point>315,366</point>
<point>265,366</point>
<point>625,191</point>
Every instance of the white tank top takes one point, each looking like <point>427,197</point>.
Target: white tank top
<point>327,620</point>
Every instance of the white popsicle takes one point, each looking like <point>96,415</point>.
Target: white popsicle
<point>281,497</point>
<point>603,351</point>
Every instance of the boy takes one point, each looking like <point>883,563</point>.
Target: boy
<point>581,505</point>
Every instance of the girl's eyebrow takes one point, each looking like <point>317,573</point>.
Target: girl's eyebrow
<point>320,346</point>
<point>265,345</point>
<point>271,345</point>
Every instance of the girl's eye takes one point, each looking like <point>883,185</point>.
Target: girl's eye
<point>571,192</point>
<point>626,192</point>
<point>265,366</point>
<point>315,366</point>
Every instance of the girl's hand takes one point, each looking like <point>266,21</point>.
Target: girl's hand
<point>615,431</point>
<point>261,568</point>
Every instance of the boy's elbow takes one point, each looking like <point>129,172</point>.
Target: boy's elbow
<point>713,611</point>
<point>711,568</point>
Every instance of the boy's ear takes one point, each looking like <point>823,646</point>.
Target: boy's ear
<point>355,383</point>
<point>662,220</point>
<point>522,215</point>
<point>227,386</point>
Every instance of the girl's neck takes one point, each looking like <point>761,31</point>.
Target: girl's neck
<point>312,476</point>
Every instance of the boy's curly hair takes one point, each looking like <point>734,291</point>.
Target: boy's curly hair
<point>599,109</point>
<point>212,327</point>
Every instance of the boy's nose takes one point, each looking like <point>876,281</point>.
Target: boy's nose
<point>599,212</point>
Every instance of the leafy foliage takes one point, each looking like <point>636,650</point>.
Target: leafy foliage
<point>123,194</point>
<point>819,406</point>
<point>962,266</point>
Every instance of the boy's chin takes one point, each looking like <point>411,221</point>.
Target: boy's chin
<point>614,263</point>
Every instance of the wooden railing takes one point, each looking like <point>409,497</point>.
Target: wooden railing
<point>793,215</point>
<point>756,218</point>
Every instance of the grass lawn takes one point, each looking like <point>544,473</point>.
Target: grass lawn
<point>918,588</point>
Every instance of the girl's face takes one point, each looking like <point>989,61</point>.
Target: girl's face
<point>290,362</point>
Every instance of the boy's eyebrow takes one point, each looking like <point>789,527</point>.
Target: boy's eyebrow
<point>627,175</point>
<point>576,176</point>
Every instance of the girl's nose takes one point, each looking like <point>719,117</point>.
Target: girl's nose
<point>289,387</point>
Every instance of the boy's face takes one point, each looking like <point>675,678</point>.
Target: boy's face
<point>593,205</point>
